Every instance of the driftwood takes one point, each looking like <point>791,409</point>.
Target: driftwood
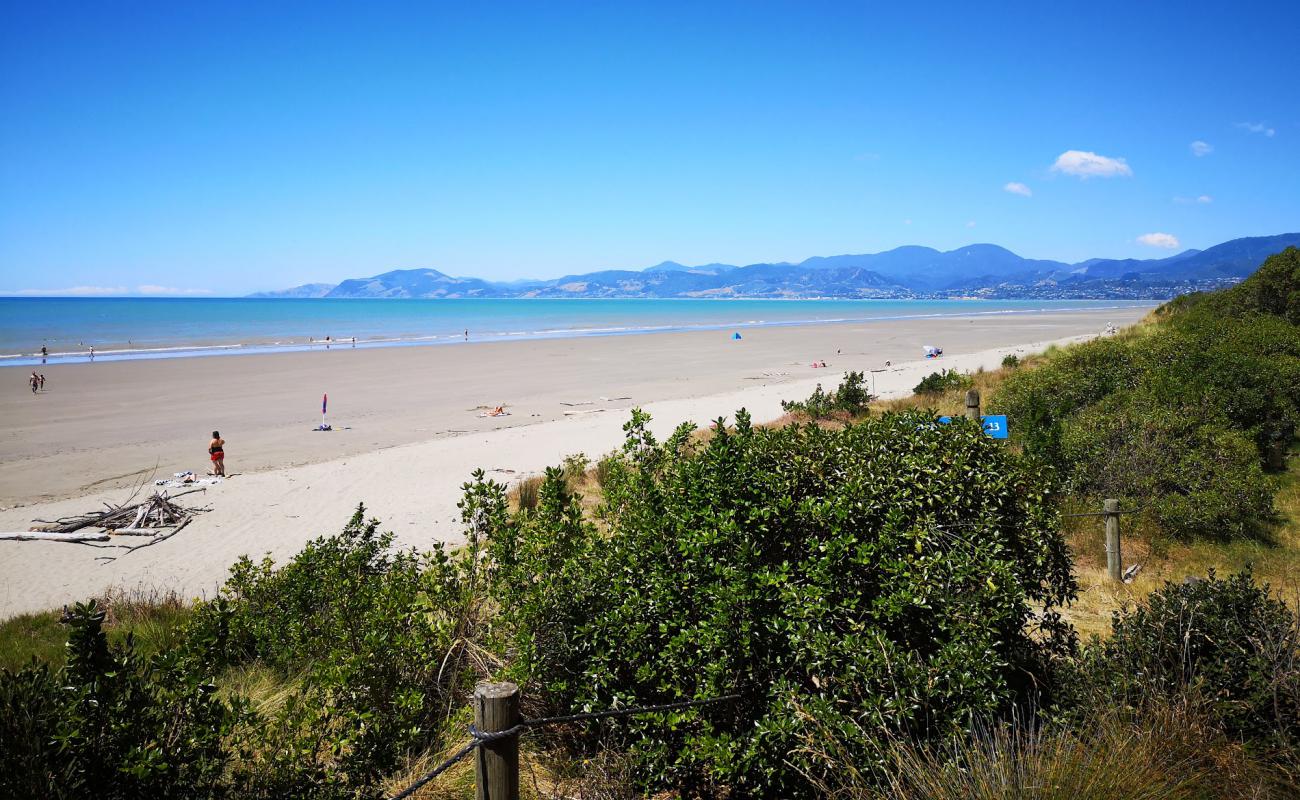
<point>151,518</point>
<point>48,536</point>
<point>157,511</point>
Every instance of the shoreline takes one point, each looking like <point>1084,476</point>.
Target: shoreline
<point>201,348</point>
<point>405,448</point>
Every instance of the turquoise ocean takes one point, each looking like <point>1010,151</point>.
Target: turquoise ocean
<point>136,328</point>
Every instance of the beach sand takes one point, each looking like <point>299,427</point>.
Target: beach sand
<point>407,429</point>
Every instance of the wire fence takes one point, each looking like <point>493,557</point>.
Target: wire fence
<point>480,738</point>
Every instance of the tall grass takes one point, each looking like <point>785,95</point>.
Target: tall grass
<point>528,492</point>
<point>154,617</point>
<point>1166,752</point>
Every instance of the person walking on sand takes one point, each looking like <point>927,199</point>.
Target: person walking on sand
<point>217,450</point>
<point>34,382</point>
<point>42,381</point>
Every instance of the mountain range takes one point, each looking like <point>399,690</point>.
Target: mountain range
<point>977,270</point>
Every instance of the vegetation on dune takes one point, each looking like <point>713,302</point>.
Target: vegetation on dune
<point>849,399</point>
<point>1177,417</point>
<point>942,381</point>
<point>916,589</point>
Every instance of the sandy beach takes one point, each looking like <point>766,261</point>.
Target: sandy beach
<point>408,429</point>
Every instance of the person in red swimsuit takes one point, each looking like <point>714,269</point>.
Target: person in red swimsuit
<point>217,449</point>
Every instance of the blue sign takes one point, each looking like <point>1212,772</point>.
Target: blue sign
<point>995,425</point>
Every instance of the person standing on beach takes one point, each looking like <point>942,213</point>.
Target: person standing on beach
<point>217,451</point>
<point>42,381</point>
<point>34,382</point>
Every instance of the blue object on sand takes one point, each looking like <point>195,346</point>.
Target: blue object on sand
<point>736,335</point>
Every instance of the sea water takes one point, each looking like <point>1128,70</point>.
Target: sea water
<point>133,328</point>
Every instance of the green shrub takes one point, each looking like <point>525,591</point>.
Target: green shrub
<point>111,724</point>
<point>575,468</point>
<point>389,642</point>
<point>1179,415</point>
<point>1193,479</point>
<point>1010,361</point>
<point>1273,289</point>
<point>942,381</point>
<point>850,398</point>
<point>604,470</point>
<point>893,575</point>
<point>1070,380</point>
<point>1225,640</point>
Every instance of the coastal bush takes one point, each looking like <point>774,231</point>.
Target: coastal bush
<point>850,398</point>
<point>1179,413</point>
<point>942,381</point>
<point>112,724</point>
<point>1274,289</point>
<point>604,469</point>
<point>1226,641</point>
<point>1010,361</point>
<point>575,468</point>
<point>1192,479</point>
<point>388,642</point>
<point>894,575</point>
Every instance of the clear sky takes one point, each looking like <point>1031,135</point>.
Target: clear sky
<point>229,147</point>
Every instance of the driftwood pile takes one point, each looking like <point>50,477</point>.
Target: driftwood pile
<point>157,517</point>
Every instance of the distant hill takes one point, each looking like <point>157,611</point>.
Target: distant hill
<point>980,270</point>
<point>306,290</point>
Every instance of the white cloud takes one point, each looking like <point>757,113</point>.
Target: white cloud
<point>970,224</point>
<point>1018,188</point>
<point>1200,198</point>
<point>1200,148</point>
<point>74,291</point>
<point>1256,127</point>
<point>1204,198</point>
<point>1090,165</point>
<point>1166,240</point>
<point>171,291</point>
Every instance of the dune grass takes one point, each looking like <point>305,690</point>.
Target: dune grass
<point>154,618</point>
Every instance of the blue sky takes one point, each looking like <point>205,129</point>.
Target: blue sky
<point>229,147</point>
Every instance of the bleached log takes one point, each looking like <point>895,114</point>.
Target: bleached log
<point>49,536</point>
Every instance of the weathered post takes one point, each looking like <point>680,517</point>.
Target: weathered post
<point>973,404</point>
<point>1114,560</point>
<point>1276,459</point>
<point>496,708</point>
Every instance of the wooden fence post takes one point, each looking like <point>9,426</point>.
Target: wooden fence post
<point>496,708</point>
<point>973,404</point>
<point>1276,460</point>
<point>1114,559</point>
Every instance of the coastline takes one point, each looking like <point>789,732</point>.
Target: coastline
<point>183,334</point>
<point>407,432</point>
